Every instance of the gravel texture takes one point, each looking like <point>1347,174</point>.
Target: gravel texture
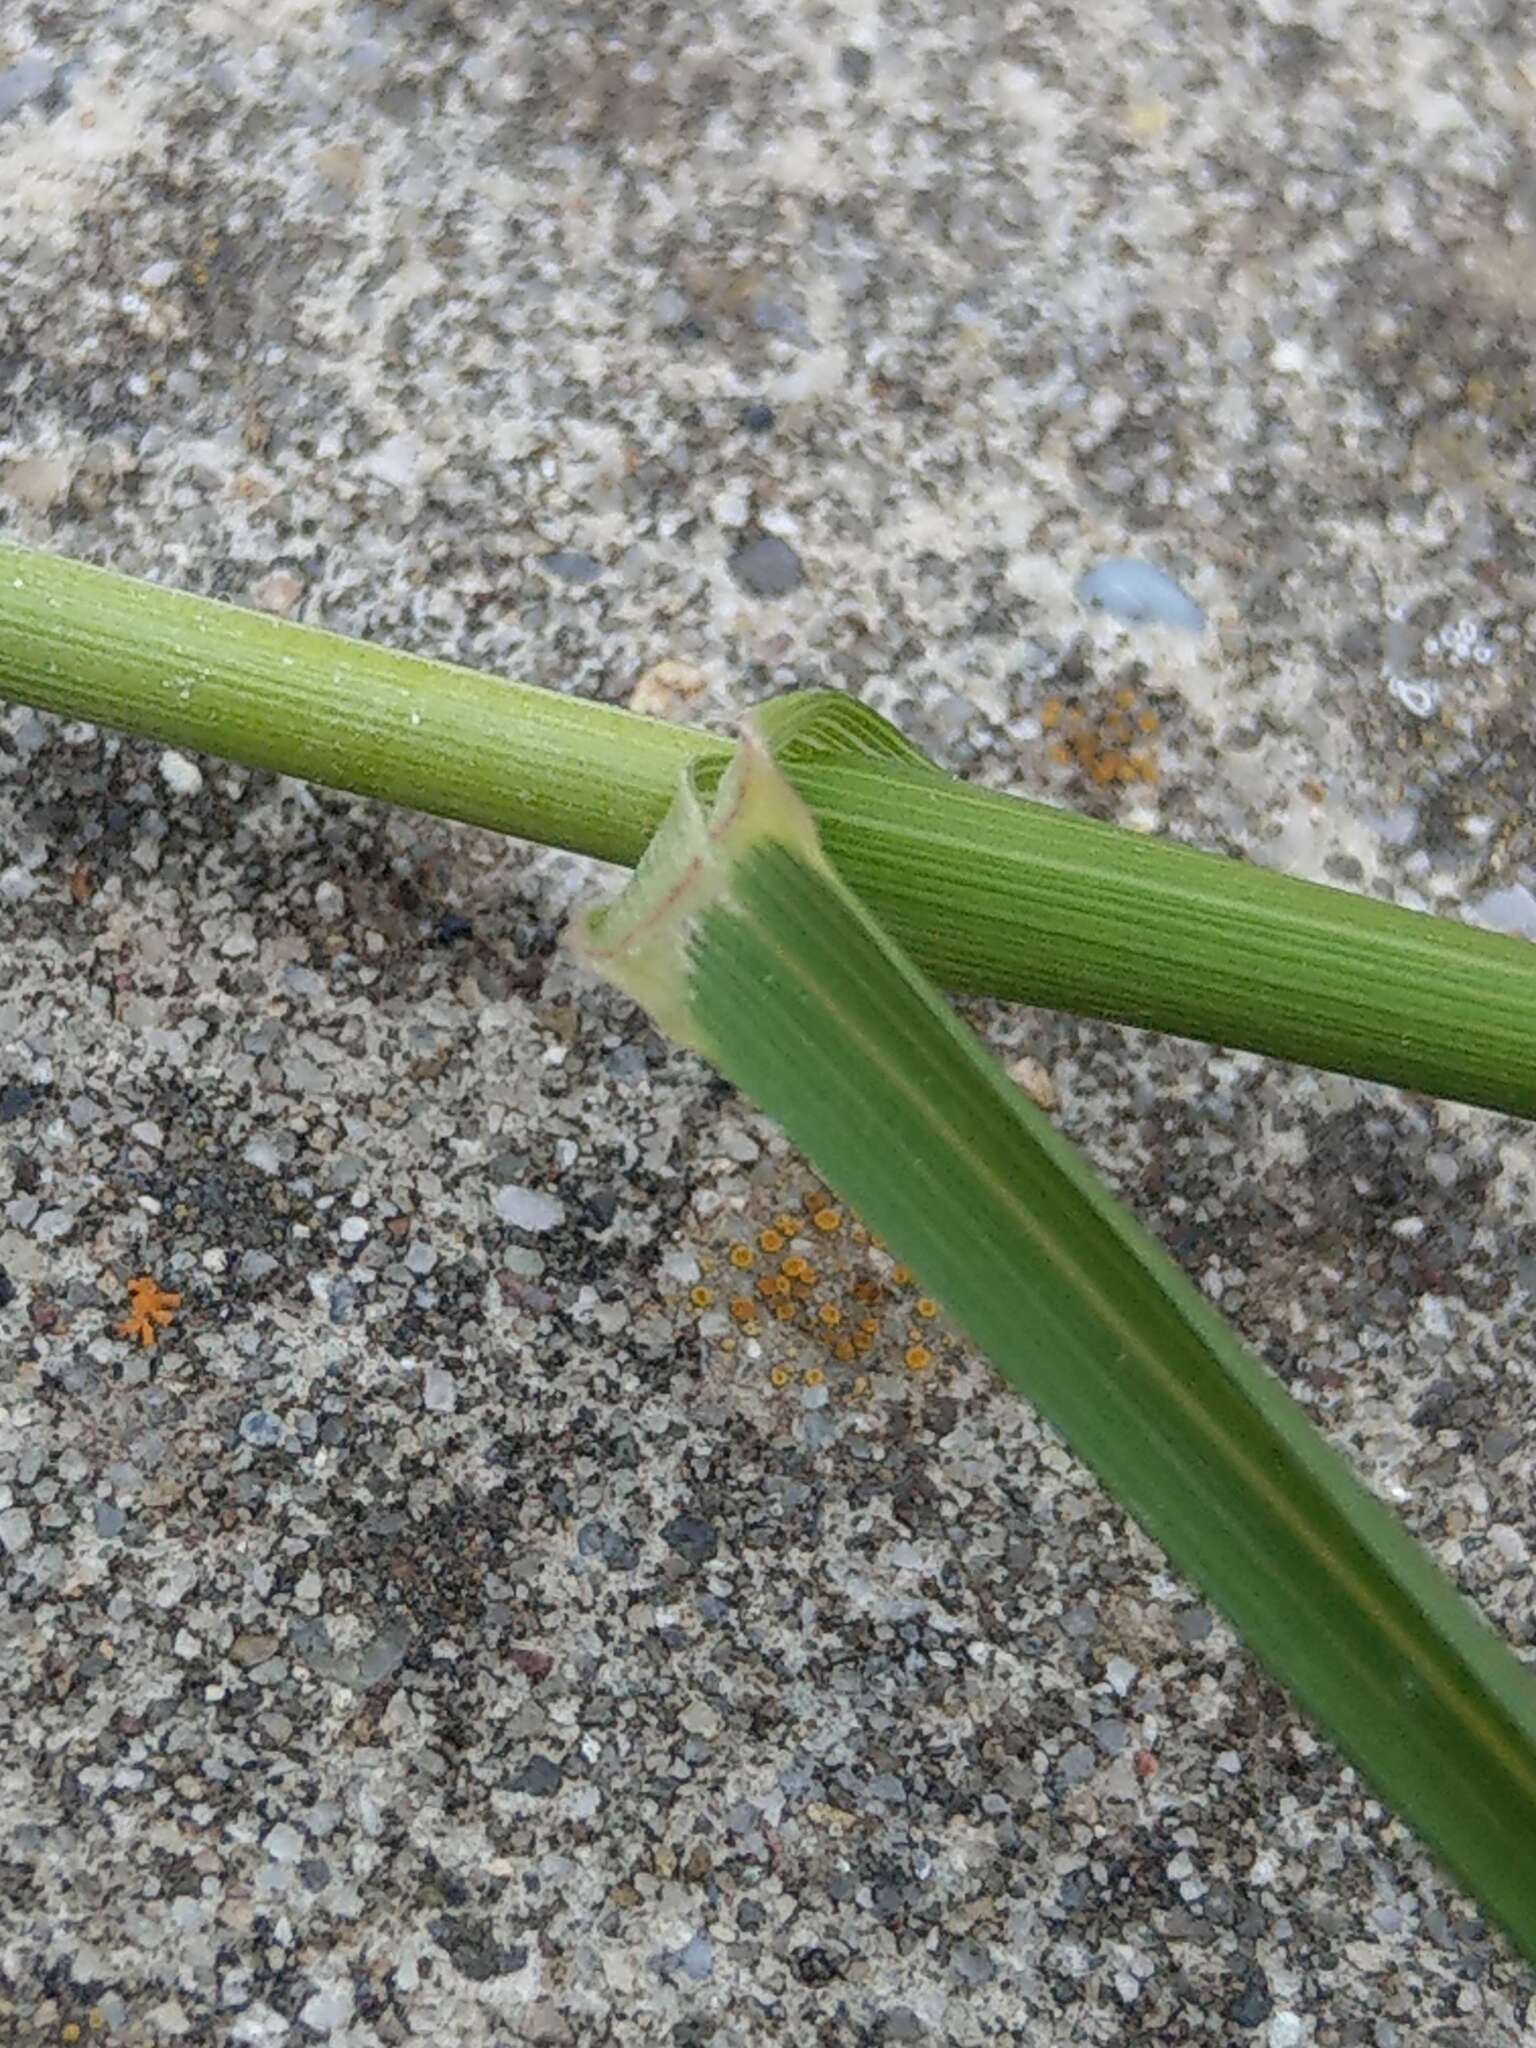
<point>453,1630</point>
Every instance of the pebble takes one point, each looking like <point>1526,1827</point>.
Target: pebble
<point>1511,910</point>
<point>666,688</point>
<point>1255,2005</point>
<point>261,1429</point>
<point>1035,1079</point>
<point>700,1718</point>
<point>439,1391</point>
<point>396,460</point>
<point>38,481</point>
<point>277,593</point>
<point>698,1958</point>
<point>24,82</point>
<point>571,566</point>
<point>692,1538</point>
<point>110,1520</point>
<point>1077,1764</point>
<point>1138,594</point>
<point>327,2010</point>
<point>527,1209</point>
<point>540,1777</point>
<point>180,776</point>
<point>284,1844</point>
<point>768,567</point>
<point>15,1531</point>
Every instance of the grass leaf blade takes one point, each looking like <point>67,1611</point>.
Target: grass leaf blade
<point>800,999</point>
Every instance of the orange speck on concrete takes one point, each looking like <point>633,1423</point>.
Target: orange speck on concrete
<point>827,1220</point>
<point>917,1358</point>
<point>151,1308</point>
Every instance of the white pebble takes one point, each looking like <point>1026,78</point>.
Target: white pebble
<point>1511,910</point>
<point>527,1209</point>
<point>439,1391</point>
<point>284,1844</point>
<point>328,2009</point>
<point>180,776</point>
<point>15,1531</point>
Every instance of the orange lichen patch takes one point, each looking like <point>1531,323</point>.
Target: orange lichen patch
<point>151,1309</point>
<point>701,1297</point>
<point>1101,743</point>
<point>797,1318</point>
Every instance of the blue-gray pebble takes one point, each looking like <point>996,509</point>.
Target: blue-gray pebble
<point>768,567</point>
<point>572,567</point>
<point>1139,594</point>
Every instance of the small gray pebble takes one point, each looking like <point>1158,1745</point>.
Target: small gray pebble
<point>540,1777</point>
<point>110,1520</point>
<point>768,567</point>
<point>692,1538</point>
<point>572,567</point>
<point>261,1429</point>
<point>1193,1625</point>
<point>972,1965</point>
<point>24,82</point>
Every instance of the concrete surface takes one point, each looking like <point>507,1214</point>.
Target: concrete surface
<point>444,1634</point>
